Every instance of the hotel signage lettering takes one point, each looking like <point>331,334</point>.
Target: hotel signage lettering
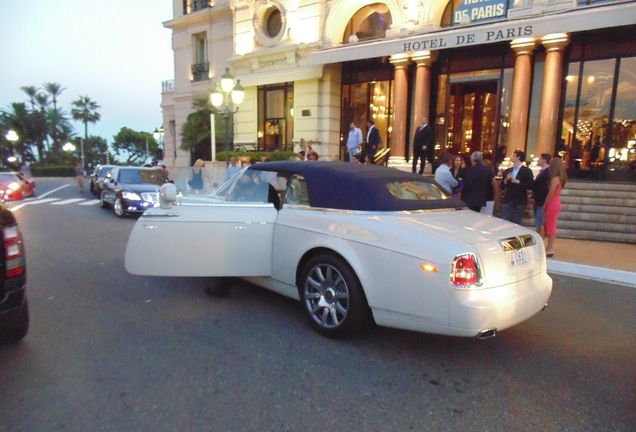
<point>479,10</point>
<point>469,38</point>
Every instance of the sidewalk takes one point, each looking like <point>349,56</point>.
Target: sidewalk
<point>615,262</point>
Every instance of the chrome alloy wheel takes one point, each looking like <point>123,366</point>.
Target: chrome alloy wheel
<point>118,207</point>
<point>326,296</point>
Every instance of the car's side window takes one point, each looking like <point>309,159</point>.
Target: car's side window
<point>296,193</point>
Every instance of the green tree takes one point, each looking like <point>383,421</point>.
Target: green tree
<point>54,90</point>
<point>16,118</point>
<point>95,150</point>
<point>132,145</point>
<point>196,134</point>
<point>32,92</point>
<point>85,111</point>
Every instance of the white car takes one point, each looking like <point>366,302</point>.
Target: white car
<point>355,244</point>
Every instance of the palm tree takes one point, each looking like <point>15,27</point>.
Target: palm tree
<point>85,111</point>
<point>17,118</point>
<point>32,92</point>
<point>59,123</point>
<point>53,89</point>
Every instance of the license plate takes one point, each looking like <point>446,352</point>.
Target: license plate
<point>518,258</point>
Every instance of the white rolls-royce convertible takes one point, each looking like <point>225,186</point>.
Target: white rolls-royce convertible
<point>356,244</point>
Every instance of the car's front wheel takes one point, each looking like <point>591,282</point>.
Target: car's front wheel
<point>332,298</point>
<point>102,201</point>
<point>118,208</point>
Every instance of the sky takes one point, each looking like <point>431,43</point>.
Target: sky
<point>116,52</point>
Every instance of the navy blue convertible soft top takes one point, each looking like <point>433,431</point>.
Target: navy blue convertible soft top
<point>347,186</point>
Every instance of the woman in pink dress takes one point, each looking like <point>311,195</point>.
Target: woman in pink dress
<point>552,205</point>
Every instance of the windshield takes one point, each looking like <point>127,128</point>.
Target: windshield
<point>134,176</point>
<point>416,191</point>
<point>8,177</point>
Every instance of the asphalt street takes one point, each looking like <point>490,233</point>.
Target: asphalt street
<point>108,351</point>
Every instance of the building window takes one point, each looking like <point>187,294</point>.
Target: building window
<point>370,22</point>
<point>200,65</point>
<point>275,117</point>
<point>270,23</point>
<point>190,6</point>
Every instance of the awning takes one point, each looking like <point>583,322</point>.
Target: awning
<point>570,21</point>
<point>280,76</point>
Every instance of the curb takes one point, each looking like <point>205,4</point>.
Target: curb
<point>601,273</point>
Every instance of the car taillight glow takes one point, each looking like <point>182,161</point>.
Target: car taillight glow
<point>13,251</point>
<point>464,271</point>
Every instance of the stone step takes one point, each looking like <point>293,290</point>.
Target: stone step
<point>599,193</point>
<point>596,235</point>
<point>614,218</point>
<point>583,208</point>
<point>597,226</point>
<point>623,187</point>
<point>616,202</point>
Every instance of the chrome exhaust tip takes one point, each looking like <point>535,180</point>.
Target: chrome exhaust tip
<point>544,307</point>
<point>488,333</point>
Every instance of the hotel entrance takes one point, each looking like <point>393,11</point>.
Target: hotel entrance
<point>472,117</point>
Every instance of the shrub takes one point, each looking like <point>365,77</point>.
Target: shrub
<point>52,171</point>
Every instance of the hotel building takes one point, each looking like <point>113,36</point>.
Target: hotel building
<point>544,76</point>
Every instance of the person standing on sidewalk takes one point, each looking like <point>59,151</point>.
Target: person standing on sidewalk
<point>540,189</point>
<point>80,173</point>
<point>443,174</point>
<point>373,140</point>
<point>552,205</point>
<point>477,182</point>
<point>354,140</point>
<point>423,146</point>
<point>516,182</point>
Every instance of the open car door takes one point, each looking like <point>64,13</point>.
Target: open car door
<point>215,235</point>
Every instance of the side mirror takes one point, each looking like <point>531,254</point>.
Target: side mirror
<point>167,195</point>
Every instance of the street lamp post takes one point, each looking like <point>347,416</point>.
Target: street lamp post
<point>226,99</point>
<point>13,138</point>
<point>158,136</point>
<point>68,147</point>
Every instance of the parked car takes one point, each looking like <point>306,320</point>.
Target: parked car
<point>14,186</point>
<point>354,243</point>
<point>96,179</point>
<point>14,308</point>
<point>132,189</point>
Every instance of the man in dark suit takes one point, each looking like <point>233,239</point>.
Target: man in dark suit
<point>477,182</point>
<point>540,189</point>
<point>423,146</point>
<point>516,182</point>
<point>373,140</point>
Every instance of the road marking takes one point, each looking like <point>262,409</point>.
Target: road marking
<point>68,201</point>
<point>39,201</point>
<point>91,202</point>
<point>54,190</point>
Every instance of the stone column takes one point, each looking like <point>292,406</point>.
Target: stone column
<point>422,101</point>
<point>520,94</point>
<point>400,104</point>
<point>550,98</point>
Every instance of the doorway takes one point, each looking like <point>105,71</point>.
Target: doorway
<point>472,118</point>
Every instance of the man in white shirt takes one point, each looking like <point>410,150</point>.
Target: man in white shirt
<point>443,174</point>
<point>353,141</point>
<point>231,169</point>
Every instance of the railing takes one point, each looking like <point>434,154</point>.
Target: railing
<point>200,71</point>
<point>382,157</point>
<point>190,6</point>
<point>167,86</point>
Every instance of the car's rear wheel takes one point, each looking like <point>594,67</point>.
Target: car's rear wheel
<point>332,298</point>
<point>17,329</point>
<point>118,208</point>
<point>102,201</point>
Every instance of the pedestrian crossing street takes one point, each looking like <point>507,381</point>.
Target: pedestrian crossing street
<point>55,202</point>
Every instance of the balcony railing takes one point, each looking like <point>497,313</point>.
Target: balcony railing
<point>167,86</point>
<point>190,6</point>
<point>200,71</point>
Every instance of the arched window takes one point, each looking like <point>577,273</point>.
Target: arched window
<point>370,22</point>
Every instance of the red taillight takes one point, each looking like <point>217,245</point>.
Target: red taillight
<point>464,271</point>
<point>13,251</point>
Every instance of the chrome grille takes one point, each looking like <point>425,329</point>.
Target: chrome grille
<point>517,243</point>
<point>152,197</point>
